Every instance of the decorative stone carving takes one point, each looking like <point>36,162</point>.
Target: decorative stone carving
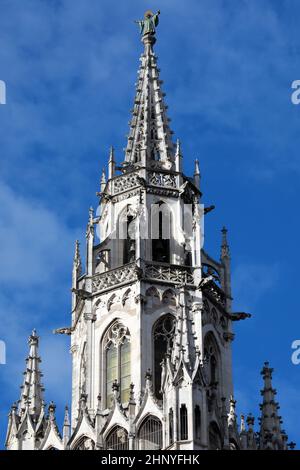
<point>125,182</point>
<point>162,179</point>
<point>126,195</point>
<point>112,278</point>
<point>117,334</point>
<point>174,274</point>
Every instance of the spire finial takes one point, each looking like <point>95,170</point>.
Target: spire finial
<point>197,175</point>
<point>270,422</point>
<point>178,156</point>
<point>231,414</point>
<point>111,163</point>
<point>32,388</point>
<point>66,417</point>
<point>242,427</point>
<point>77,259</point>
<point>103,180</point>
<point>225,252</point>
<point>148,26</point>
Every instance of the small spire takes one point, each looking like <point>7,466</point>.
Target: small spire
<point>103,181</point>
<point>116,390</point>
<point>111,163</point>
<point>77,265</point>
<point>99,403</point>
<point>250,422</point>
<point>148,378</point>
<point>83,401</point>
<point>66,417</point>
<point>131,394</point>
<point>66,427</point>
<point>242,425</point>
<point>232,415</point>
<point>225,252</point>
<point>270,422</point>
<point>178,156</point>
<point>51,411</point>
<point>197,175</point>
<point>32,388</point>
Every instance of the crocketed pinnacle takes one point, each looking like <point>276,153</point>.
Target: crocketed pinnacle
<point>150,137</point>
<point>32,388</point>
<point>271,435</point>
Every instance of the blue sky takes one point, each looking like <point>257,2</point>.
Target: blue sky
<point>227,66</point>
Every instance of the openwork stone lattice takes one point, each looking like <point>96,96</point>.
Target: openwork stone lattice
<point>176,274</point>
<point>115,277</point>
<point>125,182</point>
<point>162,179</point>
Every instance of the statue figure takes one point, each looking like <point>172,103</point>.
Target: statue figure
<point>148,24</point>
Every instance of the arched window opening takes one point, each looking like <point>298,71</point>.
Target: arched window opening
<point>171,426</point>
<point>169,297</point>
<point>183,423</point>
<point>126,235</point>
<point>211,354</point>
<point>163,340</point>
<point>215,439</point>
<point>197,422</point>
<point>129,243</point>
<point>85,443</point>
<point>153,298</point>
<point>117,439</point>
<point>117,361</point>
<point>150,434</point>
<point>160,233</point>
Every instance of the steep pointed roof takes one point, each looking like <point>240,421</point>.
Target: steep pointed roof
<point>32,389</point>
<point>271,435</point>
<point>150,136</point>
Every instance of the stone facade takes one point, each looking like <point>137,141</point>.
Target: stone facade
<point>151,327</point>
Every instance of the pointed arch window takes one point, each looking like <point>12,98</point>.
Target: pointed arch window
<point>160,232</point>
<point>183,423</point>
<point>163,333</point>
<point>117,439</point>
<point>126,235</point>
<point>117,350</point>
<point>150,434</point>
<point>212,357</point>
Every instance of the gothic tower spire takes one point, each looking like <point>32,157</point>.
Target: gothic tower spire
<point>150,137</point>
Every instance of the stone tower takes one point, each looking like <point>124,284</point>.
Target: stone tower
<point>151,326</point>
